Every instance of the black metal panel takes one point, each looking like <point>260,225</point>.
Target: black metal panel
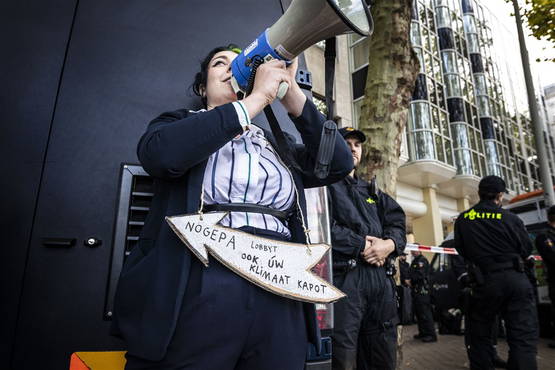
<point>127,62</point>
<point>455,106</point>
<point>420,88</point>
<point>467,6</point>
<point>476,63</point>
<point>446,38</point>
<point>486,124</point>
<point>34,36</point>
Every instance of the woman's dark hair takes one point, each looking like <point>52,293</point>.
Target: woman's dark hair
<point>202,75</point>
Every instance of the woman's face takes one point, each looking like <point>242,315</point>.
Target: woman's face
<point>218,88</point>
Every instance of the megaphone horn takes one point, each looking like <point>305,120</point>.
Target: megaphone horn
<point>303,24</point>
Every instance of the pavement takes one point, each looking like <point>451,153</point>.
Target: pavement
<point>449,352</point>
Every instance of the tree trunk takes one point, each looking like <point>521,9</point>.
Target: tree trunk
<point>392,71</point>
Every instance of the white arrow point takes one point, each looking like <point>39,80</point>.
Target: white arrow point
<point>178,223</point>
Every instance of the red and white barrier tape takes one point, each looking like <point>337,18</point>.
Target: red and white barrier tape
<point>426,248</point>
<point>433,249</point>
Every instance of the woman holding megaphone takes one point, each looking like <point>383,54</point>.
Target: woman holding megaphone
<point>171,310</point>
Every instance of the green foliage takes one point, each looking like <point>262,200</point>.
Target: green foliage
<point>541,18</point>
<point>540,15</point>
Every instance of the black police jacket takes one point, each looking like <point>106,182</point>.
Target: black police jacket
<point>404,271</point>
<point>487,234</point>
<point>545,243</point>
<point>357,213</point>
<point>419,273</point>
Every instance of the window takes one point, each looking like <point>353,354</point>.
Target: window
<point>420,113</point>
<point>480,83</point>
<point>421,141</point>
<point>449,61</point>
<point>469,23</point>
<point>483,106</point>
<point>359,82</point>
<point>452,85</point>
<point>464,162</point>
<point>415,38</point>
<point>320,104</point>
<point>361,52</point>
<point>443,17</point>
<point>357,107</point>
<point>422,145</point>
<point>460,135</point>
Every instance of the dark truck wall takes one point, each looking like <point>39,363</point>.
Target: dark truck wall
<point>80,81</point>
<point>34,39</point>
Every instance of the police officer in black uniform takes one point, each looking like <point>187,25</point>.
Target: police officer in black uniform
<point>545,243</point>
<point>404,292</point>
<point>421,300</point>
<point>368,228</point>
<point>495,243</point>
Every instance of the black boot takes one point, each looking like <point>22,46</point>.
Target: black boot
<point>499,363</point>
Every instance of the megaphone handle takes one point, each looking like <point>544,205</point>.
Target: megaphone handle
<point>283,86</point>
<point>282,90</point>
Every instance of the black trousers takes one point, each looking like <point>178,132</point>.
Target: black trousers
<point>229,323</point>
<point>422,305</point>
<point>510,295</point>
<point>365,333</point>
<point>551,290</point>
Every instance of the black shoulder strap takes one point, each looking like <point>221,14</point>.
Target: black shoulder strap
<point>327,142</point>
<point>329,72</point>
<point>283,148</point>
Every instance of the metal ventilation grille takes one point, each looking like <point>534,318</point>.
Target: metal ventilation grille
<point>135,196</point>
<point>141,196</point>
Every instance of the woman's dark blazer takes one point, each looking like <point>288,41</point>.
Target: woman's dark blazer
<point>174,150</point>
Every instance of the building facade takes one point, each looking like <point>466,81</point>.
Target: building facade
<point>549,100</point>
<point>548,107</point>
<point>468,116</point>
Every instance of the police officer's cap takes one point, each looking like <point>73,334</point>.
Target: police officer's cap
<point>350,131</point>
<point>492,184</point>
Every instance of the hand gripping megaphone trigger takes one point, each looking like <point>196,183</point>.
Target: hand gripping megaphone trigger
<point>245,65</point>
<point>305,23</point>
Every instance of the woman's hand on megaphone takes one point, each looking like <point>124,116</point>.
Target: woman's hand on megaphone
<point>294,99</point>
<point>266,83</point>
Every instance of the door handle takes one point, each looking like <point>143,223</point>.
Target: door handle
<point>58,242</point>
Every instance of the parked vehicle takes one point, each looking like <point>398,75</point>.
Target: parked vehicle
<point>75,198</point>
<point>530,207</point>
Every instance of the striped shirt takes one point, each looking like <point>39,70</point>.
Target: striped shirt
<point>248,170</point>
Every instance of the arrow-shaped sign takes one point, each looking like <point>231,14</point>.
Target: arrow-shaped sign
<point>281,267</point>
